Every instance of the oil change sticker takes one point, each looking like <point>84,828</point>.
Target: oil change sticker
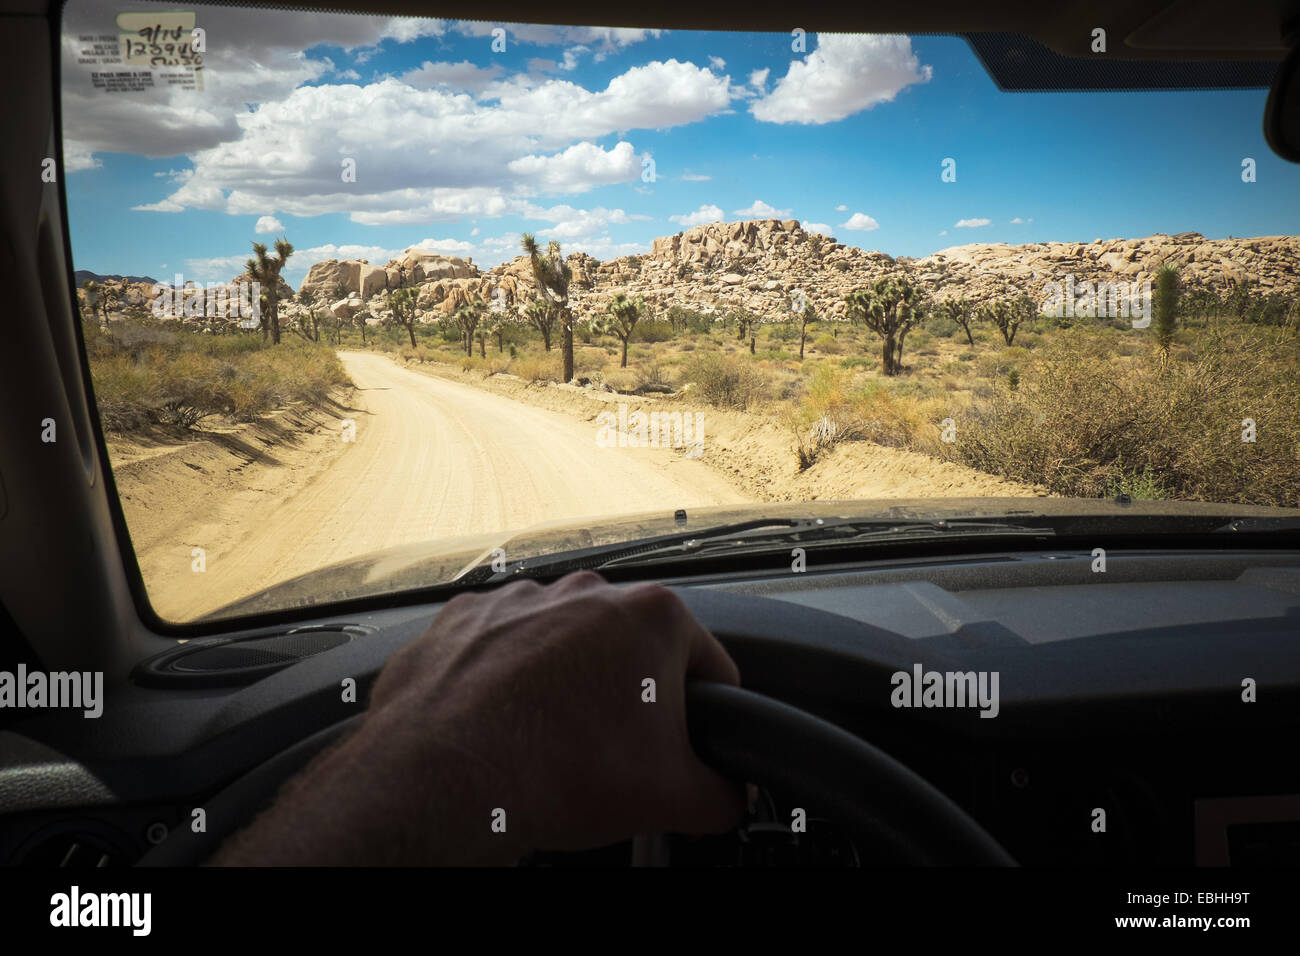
<point>150,50</point>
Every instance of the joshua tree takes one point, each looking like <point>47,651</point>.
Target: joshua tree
<point>553,276</point>
<point>890,307</point>
<point>747,324</point>
<point>467,318</point>
<point>498,318</point>
<point>1165,307</point>
<point>307,299</point>
<point>806,318</point>
<point>541,314</point>
<point>961,311</point>
<point>622,316</point>
<point>1008,314</point>
<point>266,271</point>
<point>401,302</point>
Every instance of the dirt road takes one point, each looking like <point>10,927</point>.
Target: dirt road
<point>431,459</point>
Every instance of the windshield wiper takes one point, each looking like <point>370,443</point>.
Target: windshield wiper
<point>749,537</point>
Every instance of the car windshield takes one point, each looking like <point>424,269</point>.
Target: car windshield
<point>373,302</point>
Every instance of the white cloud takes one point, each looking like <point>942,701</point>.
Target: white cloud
<point>606,39</point>
<point>163,205</point>
<point>457,76</point>
<point>717,62</point>
<point>846,74</point>
<point>222,268</point>
<point>268,224</point>
<point>818,227</point>
<point>841,208</point>
<point>758,79</point>
<point>451,247</point>
<point>695,178</point>
<point>970,223</point>
<point>699,217</point>
<point>77,157</point>
<point>860,222</point>
<point>943,232</point>
<point>761,210</point>
<point>571,223</point>
<point>536,138</point>
<point>217,269</point>
<point>579,168</point>
<point>349,75</point>
<point>1017,221</point>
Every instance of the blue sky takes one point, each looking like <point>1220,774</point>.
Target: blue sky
<point>459,148</point>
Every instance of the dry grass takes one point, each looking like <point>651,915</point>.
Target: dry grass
<point>152,375</point>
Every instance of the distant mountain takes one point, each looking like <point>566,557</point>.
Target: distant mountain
<point>83,276</point>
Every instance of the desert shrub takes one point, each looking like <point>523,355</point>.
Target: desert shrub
<point>654,378</point>
<point>1083,426</point>
<point>940,326</point>
<point>833,411</point>
<point>538,368</point>
<point>828,345</point>
<point>150,373</point>
<point>726,381</point>
<point>653,330</point>
<point>1142,485</point>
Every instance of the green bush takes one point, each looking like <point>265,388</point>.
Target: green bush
<point>941,327</point>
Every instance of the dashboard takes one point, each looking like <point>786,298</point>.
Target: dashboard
<point>1141,716</point>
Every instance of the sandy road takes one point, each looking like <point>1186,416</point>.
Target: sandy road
<point>431,459</point>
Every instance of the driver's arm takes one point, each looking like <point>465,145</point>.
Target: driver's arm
<point>517,722</point>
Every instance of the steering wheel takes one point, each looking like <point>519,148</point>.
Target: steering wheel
<point>741,734</point>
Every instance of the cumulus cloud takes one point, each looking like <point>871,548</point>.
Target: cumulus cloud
<point>222,268</point>
<point>535,138</point>
<point>846,74</point>
<point>578,168</point>
<point>267,224</point>
<point>571,224</point>
<point>457,76</point>
<point>695,178</point>
<point>818,227</point>
<point>705,214</point>
<point>970,223</point>
<point>77,157</point>
<point>717,63</point>
<point>860,222</point>
<point>761,210</point>
<point>841,208</point>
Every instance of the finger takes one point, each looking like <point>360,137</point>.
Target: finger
<point>707,659</point>
<point>714,804</point>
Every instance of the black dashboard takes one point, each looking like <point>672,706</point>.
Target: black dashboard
<point>1143,715</point>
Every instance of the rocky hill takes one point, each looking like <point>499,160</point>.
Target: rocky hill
<point>760,264</point>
